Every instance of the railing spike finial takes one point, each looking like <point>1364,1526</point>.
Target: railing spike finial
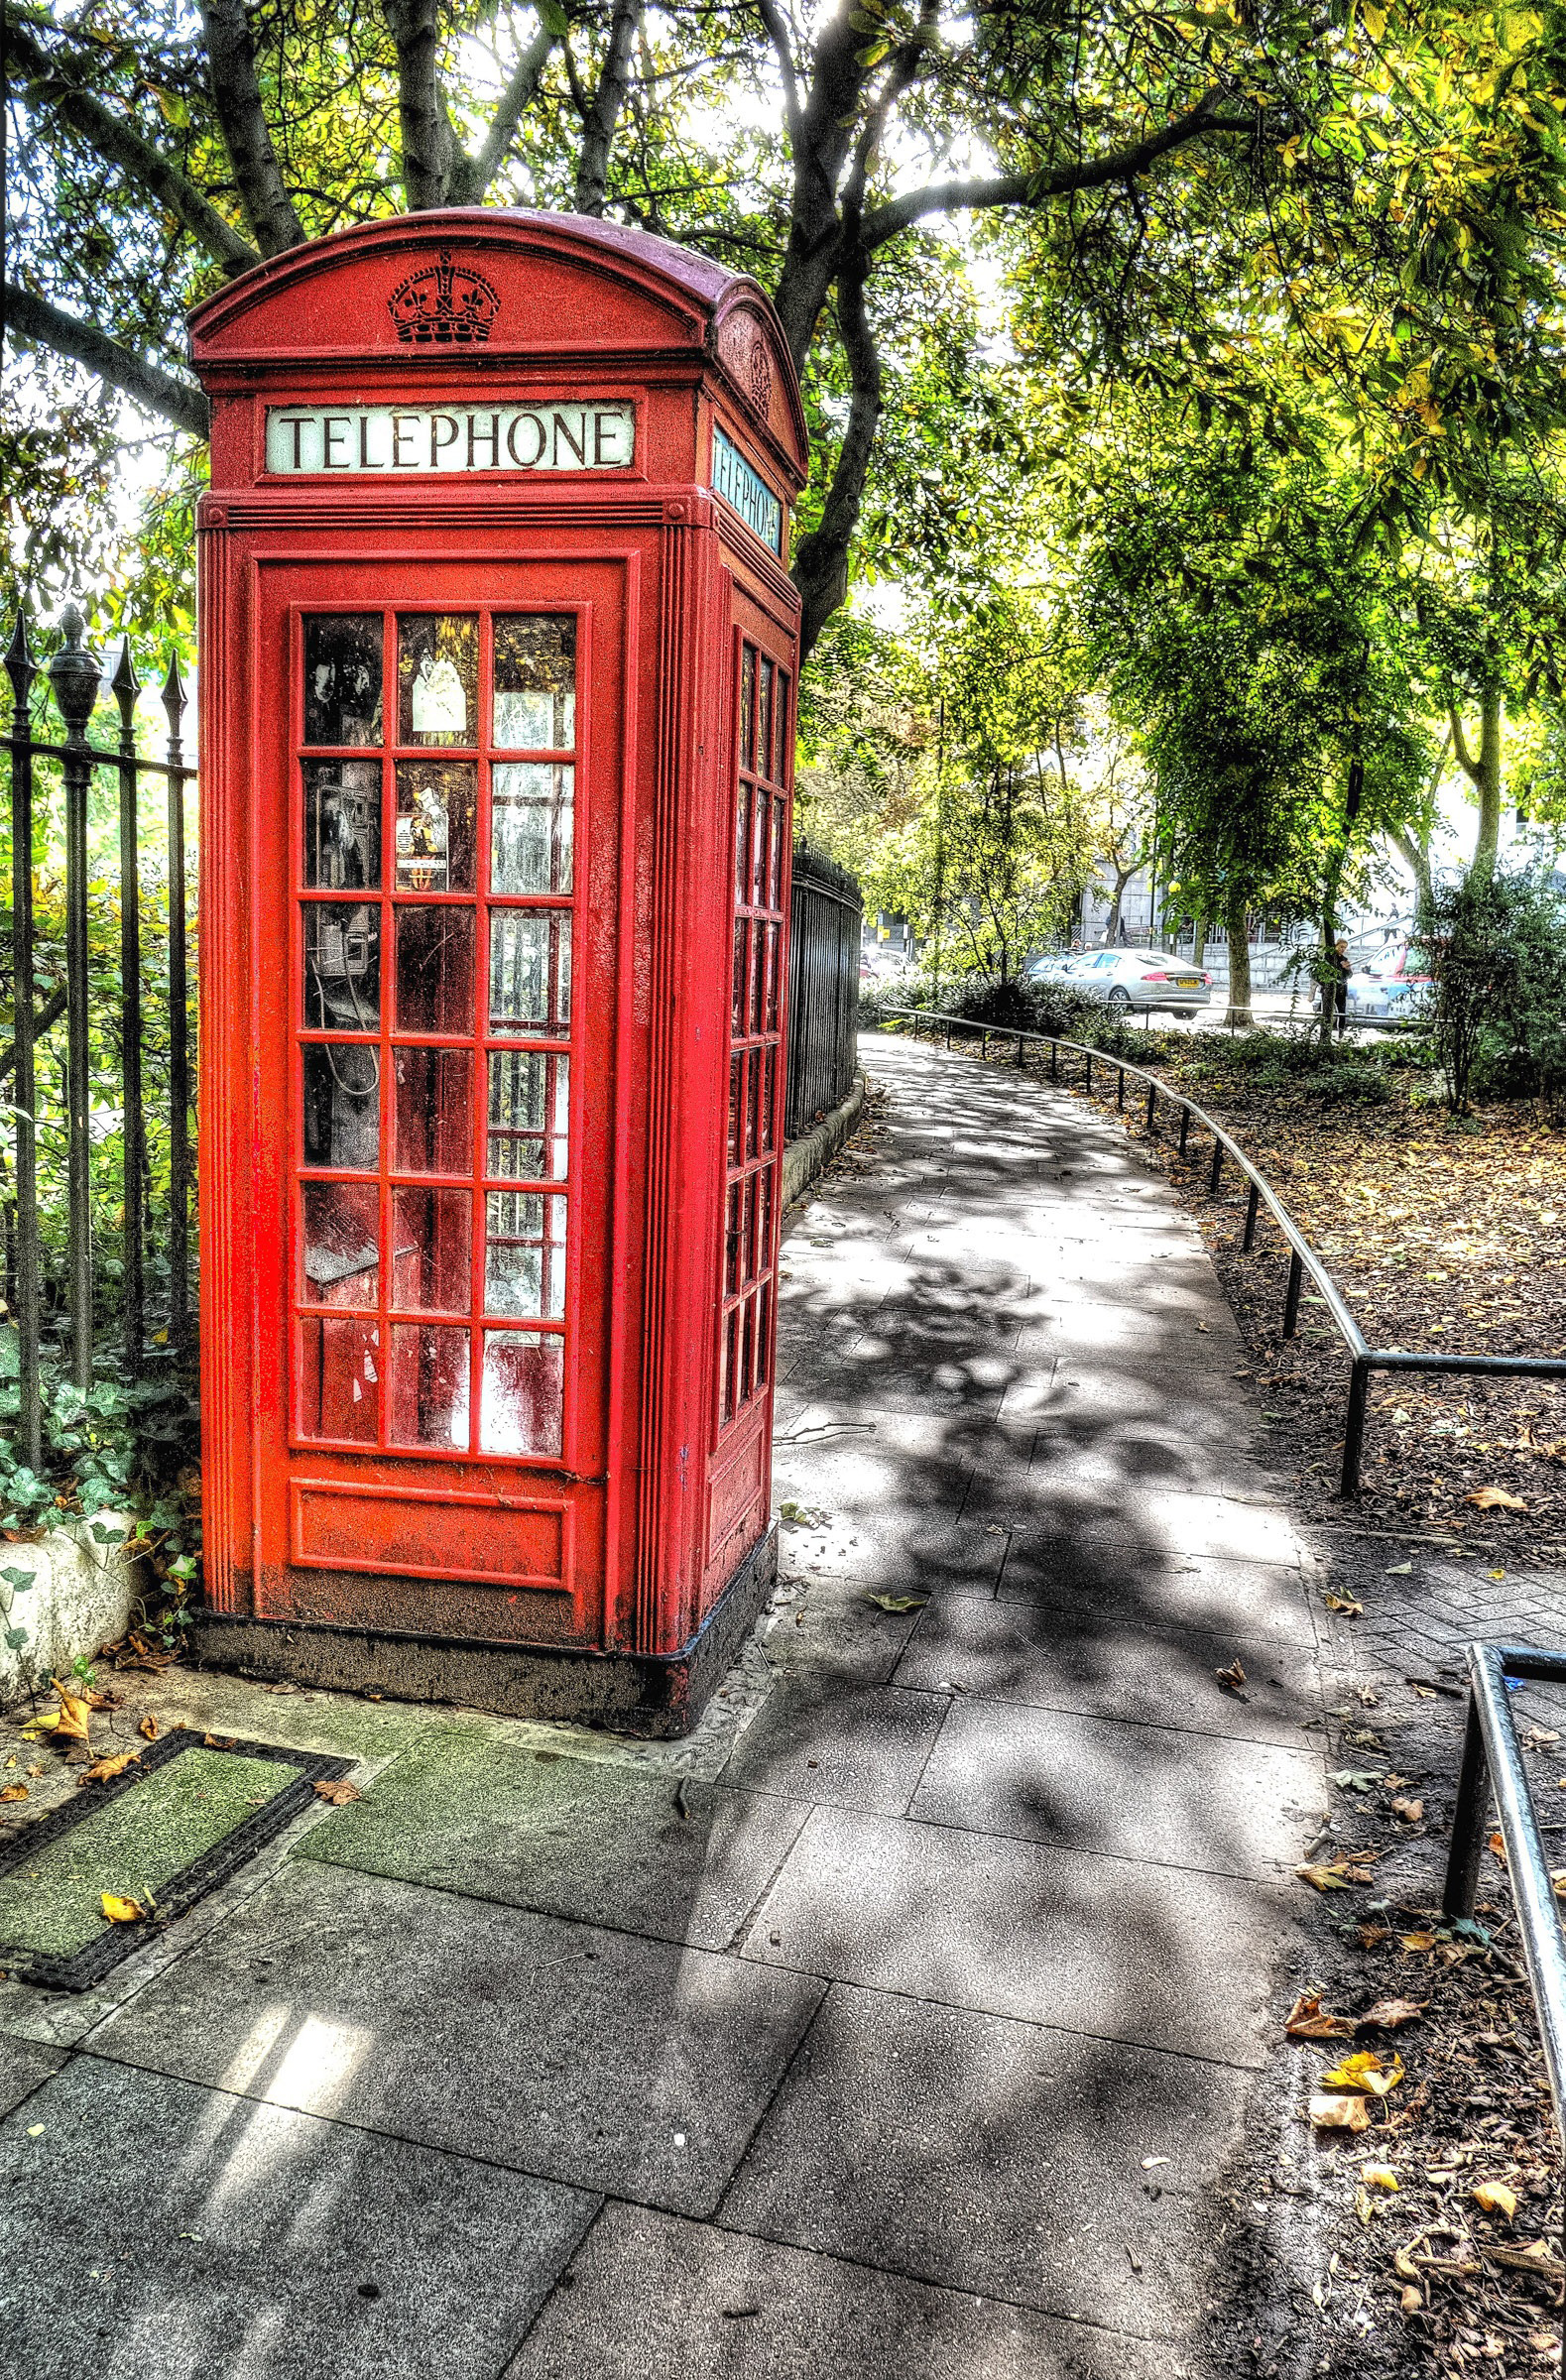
<point>173,697</point>
<point>19,667</point>
<point>124,684</point>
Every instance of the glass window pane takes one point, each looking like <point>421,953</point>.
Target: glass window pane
<point>530,970</point>
<point>437,825</point>
<point>342,966</point>
<point>429,1401</point>
<point>342,825</point>
<point>431,1251</point>
<point>432,1128</point>
<point>733,1253</point>
<point>758,854</point>
<point>780,747</point>
<point>767,1102</point>
<point>764,739</point>
<point>736,1104</point>
<point>748,707</point>
<point>529,1112</point>
<point>534,683</point>
<point>339,1384</point>
<point>768,1023</point>
<point>775,883</point>
<point>437,679</point>
<point>342,1230</point>
<point>762,1257</point>
<point>739,976</point>
<point>525,1254</point>
<point>343,677</point>
<point>342,1105</point>
<point>522,1393</point>
<point>435,970</point>
<point>531,806</point>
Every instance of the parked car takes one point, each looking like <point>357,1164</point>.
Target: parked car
<point>1139,979</point>
<point>1397,986</point>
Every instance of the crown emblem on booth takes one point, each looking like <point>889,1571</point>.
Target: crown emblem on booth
<point>443,305</point>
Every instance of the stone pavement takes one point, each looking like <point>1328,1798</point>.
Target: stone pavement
<point>903,2022</point>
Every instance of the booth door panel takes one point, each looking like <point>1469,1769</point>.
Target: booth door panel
<point>446,1224</point>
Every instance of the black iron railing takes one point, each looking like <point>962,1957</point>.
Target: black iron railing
<point>1365,1359</point>
<point>75,677</point>
<point>825,922</point>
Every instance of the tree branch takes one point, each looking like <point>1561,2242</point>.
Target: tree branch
<point>1465,758</point>
<point>45,325</point>
<point>820,567</point>
<point>242,119</point>
<point>901,77</point>
<point>471,175</point>
<point>430,146</point>
<point>884,223</point>
<point>592,171</point>
<point>117,141</point>
<point>778,34</point>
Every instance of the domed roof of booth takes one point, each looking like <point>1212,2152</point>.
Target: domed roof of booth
<point>482,284</point>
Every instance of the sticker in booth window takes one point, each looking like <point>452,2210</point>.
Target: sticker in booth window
<point>439,705</point>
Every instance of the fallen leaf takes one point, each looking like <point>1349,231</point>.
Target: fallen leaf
<point>1378,2177</point>
<point>120,1910</point>
<point>1399,1570</point>
<point>1356,1780</point>
<point>1343,1602</point>
<point>71,1717</point>
<point>13,1793</point>
<point>220,1744</point>
<point>1495,1500</point>
<point>1234,1676</point>
<point>1307,2020</point>
<point>1326,1879</point>
<point>1495,2198</point>
<point>1412,2299</point>
<point>102,1771</point>
<point>1387,2015</point>
<point>1364,2207</point>
<point>1498,1846</point>
<point>898,1603</point>
<point>1538,1737</point>
<point>1417,1942</point>
<point>1339,2111</point>
<point>149,1727</point>
<point>338,1790</point>
<point>1410,1812</point>
<point>1365,2071</point>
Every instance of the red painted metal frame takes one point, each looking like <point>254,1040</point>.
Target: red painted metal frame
<point>625,1540</point>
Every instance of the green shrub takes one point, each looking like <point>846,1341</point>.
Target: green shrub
<point>1496,950</point>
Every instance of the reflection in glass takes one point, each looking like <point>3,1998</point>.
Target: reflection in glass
<point>342,1224</point>
<point>432,1251</point>
<point>747,708</point>
<point>529,1109</point>
<point>342,825</point>
<point>437,825</point>
<point>764,739</point>
<point>428,1400</point>
<point>343,677</point>
<point>435,970</point>
<point>525,1254</point>
<point>534,683</point>
<point>530,970</point>
<point>740,963</point>
<point>342,1105</point>
<point>531,806</point>
<point>741,844</point>
<point>432,1124</point>
<point>339,1377</point>
<point>342,966</point>
<point>775,883</point>
<point>523,1393</point>
<point>437,679</point>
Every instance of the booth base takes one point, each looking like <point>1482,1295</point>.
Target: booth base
<point>633,1694</point>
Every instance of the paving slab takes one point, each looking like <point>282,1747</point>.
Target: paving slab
<point>24,2065</point>
<point>836,1631</point>
<point>1103,1668</point>
<point>999,2157</point>
<point>160,2232</point>
<point>652,2294</point>
<point>857,1748</point>
<point>600,2060</point>
<point>575,1839</point>
<point>1054,1937</point>
<point>1129,1792</point>
<point>1102,1569</point>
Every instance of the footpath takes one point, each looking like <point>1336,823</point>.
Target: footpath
<point>905,2021</point>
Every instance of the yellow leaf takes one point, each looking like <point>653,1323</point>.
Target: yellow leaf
<point>149,1727</point>
<point>1378,2177</point>
<point>13,1793</point>
<point>1339,2111</point>
<point>120,1910</point>
<point>72,1716</point>
<point>898,1603</point>
<point>1375,21</point>
<point>1307,2020</point>
<point>338,1790</point>
<point>1343,1602</point>
<point>1495,2198</point>
<point>1498,1847</point>
<point>1325,1880</point>
<point>1495,1500</point>
<point>102,1771</point>
<point>1365,2071</point>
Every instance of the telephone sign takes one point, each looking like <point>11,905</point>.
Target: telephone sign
<point>498,683</point>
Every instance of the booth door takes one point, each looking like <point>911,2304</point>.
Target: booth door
<point>444,1016</point>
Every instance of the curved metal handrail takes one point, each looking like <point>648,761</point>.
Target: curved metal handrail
<point>1365,1359</point>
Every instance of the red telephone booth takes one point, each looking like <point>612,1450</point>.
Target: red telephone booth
<point>498,658</point>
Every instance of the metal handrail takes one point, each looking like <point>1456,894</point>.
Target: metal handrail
<point>1493,1760</point>
<point>1365,1359</point>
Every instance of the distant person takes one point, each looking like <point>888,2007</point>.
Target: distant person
<point>1335,990</point>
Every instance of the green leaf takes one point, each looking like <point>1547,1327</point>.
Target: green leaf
<point>16,1639</point>
<point>19,1580</point>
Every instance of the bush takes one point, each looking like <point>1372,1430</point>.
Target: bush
<point>1496,950</point>
<point>1349,1082</point>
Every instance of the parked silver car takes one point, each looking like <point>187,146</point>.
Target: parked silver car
<point>1131,978</point>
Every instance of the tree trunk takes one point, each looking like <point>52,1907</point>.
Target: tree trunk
<point>1237,920</point>
<point>1198,940</point>
<point>1483,770</point>
<point>1417,861</point>
<point>1329,895</point>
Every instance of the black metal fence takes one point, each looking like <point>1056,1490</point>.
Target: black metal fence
<point>823,986</point>
<point>100,1131</point>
